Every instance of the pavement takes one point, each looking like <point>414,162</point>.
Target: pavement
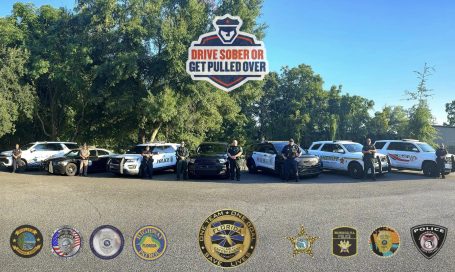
<point>277,209</point>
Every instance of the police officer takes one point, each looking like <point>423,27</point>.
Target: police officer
<point>182,162</point>
<point>84,154</point>
<point>368,151</point>
<point>234,152</point>
<point>147,163</point>
<point>16,156</point>
<point>290,152</point>
<point>441,154</point>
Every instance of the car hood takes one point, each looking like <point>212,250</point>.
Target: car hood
<point>7,153</point>
<point>59,159</point>
<point>127,156</point>
<point>359,155</point>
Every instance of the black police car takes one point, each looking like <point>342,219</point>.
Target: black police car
<point>267,157</point>
<point>210,160</point>
<point>69,163</point>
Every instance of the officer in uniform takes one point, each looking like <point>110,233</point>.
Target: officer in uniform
<point>16,156</point>
<point>182,155</point>
<point>441,154</point>
<point>84,154</point>
<point>147,163</point>
<point>368,151</point>
<point>234,152</point>
<point>290,152</point>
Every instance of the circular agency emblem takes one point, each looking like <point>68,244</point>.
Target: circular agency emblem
<point>149,243</point>
<point>66,242</point>
<point>26,241</point>
<point>106,242</point>
<point>384,241</point>
<point>227,238</point>
<point>428,239</point>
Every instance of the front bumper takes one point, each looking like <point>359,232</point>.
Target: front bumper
<point>309,170</point>
<point>56,168</point>
<point>6,161</point>
<point>208,169</point>
<point>119,166</point>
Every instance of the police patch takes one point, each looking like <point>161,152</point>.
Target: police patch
<point>149,243</point>
<point>428,239</point>
<point>26,241</point>
<point>384,241</point>
<point>344,242</point>
<point>106,242</point>
<point>66,242</point>
<point>227,238</point>
<point>227,57</point>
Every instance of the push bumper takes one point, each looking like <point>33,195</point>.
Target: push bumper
<point>309,170</point>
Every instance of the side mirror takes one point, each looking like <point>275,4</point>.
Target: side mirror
<point>339,151</point>
<point>414,149</point>
<point>32,150</point>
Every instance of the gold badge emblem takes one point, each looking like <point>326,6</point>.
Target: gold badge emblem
<point>344,242</point>
<point>302,243</point>
<point>384,241</point>
<point>227,238</point>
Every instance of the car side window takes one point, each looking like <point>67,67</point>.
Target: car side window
<point>41,147</point>
<point>328,147</point>
<point>397,146</point>
<point>257,147</point>
<point>379,145</point>
<point>168,149</point>
<point>157,149</point>
<point>102,153</point>
<point>54,147</point>
<point>410,147</point>
<point>92,153</point>
<point>315,147</point>
<point>269,149</point>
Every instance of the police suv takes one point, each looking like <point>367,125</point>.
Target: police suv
<point>267,157</point>
<point>346,156</point>
<point>164,157</point>
<point>412,155</point>
<point>33,154</point>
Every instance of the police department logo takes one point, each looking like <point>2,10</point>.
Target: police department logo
<point>302,242</point>
<point>227,57</point>
<point>384,241</point>
<point>227,238</point>
<point>106,242</point>
<point>344,242</point>
<point>149,243</point>
<point>26,241</point>
<point>429,239</point>
<point>66,242</point>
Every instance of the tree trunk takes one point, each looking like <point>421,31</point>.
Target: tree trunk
<point>155,132</point>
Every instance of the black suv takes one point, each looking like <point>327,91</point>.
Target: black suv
<point>267,157</point>
<point>210,160</point>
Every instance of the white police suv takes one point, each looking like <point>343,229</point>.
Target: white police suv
<point>412,155</point>
<point>130,163</point>
<point>346,156</point>
<point>33,154</point>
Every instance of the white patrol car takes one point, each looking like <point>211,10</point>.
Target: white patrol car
<point>33,154</point>
<point>164,157</point>
<point>412,155</point>
<point>346,156</point>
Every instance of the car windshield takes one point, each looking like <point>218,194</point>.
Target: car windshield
<point>26,147</point>
<point>138,149</point>
<point>426,147</point>
<point>72,153</point>
<point>212,148</point>
<point>280,145</point>
<point>353,147</point>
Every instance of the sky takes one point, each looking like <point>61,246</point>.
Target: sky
<point>371,47</point>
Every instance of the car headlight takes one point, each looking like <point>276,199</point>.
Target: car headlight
<point>192,160</point>
<point>222,160</point>
<point>63,163</point>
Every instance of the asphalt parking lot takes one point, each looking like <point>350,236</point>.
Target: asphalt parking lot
<point>398,200</point>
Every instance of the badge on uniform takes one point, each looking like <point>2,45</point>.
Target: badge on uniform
<point>106,242</point>
<point>428,239</point>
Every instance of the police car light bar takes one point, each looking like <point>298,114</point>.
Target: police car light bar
<point>410,140</point>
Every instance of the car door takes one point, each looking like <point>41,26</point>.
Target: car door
<point>93,160</point>
<point>169,157</point>
<point>43,151</point>
<point>258,155</point>
<point>338,156</point>
<point>103,157</point>
<point>398,154</point>
<point>269,155</point>
<point>327,155</point>
<point>158,157</point>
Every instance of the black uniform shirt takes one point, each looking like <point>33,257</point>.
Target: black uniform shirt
<point>182,152</point>
<point>145,157</point>
<point>234,150</point>
<point>368,156</point>
<point>17,152</point>
<point>291,151</point>
<point>441,152</point>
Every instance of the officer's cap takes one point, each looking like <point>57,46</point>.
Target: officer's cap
<point>228,21</point>
<point>291,140</point>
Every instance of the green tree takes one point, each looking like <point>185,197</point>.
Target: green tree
<point>450,109</point>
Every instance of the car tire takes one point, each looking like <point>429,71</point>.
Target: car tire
<point>355,170</point>
<point>24,165</point>
<point>252,167</point>
<point>430,169</point>
<point>389,168</point>
<point>71,169</point>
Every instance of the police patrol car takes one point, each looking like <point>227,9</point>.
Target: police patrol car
<point>33,154</point>
<point>130,163</point>
<point>412,155</point>
<point>346,156</point>
<point>267,157</point>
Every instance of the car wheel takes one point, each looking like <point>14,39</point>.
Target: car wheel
<point>389,168</point>
<point>430,169</point>
<point>71,169</point>
<point>23,166</point>
<point>355,170</point>
<point>252,167</point>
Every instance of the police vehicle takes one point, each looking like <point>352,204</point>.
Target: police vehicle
<point>267,157</point>
<point>69,163</point>
<point>164,157</point>
<point>33,154</point>
<point>413,155</point>
<point>346,156</point>
<point>210,159</point>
